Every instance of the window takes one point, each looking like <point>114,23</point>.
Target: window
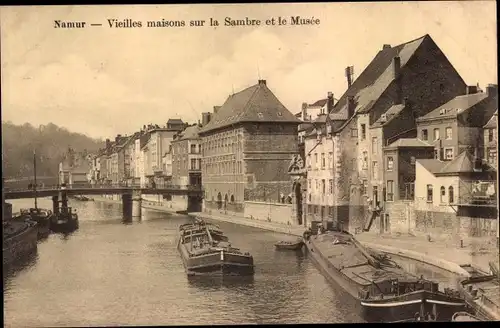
<point>364,189</point>
<point>309,184</point>
<point>193,149</point>
<point>315,161</point>
<point>323,187</point>
<point>492,156</point>
<point>429,193</point>
<point>374,145</point>
<point>436,134</point>
<point>365,160</point>
<point>363,131</point>
<point>424,134</point>
<point>354,133</point>
<point>330,160</point>
<point>374,170</point>
<point>323,161</point>
<point>413,160</point>
<point>330,189</point>
<point>490,135</point>
<point>442,193</point>
<point>448,154</point>
<point>448,133</point>
<point>309,161</point>
<point>436,153</point>
<point>451,196</point>
<point>390,163</point>
<point>390,190</point>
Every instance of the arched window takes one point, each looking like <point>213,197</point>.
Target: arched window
<point>442,194</point>
<point>451,196</point>
<point>232,198</point>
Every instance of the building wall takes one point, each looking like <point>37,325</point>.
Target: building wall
<point>223,169</point>
<point>490,153</point>
<point>424,178</point>
<point>268,150</point>
<point>182,154</point>
<point>271,212</point>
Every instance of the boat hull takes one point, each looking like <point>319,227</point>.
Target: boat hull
<point>402,308</point>
<point>479,309</point>
<point>216,263</point>
<point>63,225</point>
<point>289,247</point>
<point>19,244</point>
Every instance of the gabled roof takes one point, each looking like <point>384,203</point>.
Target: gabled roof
<point>492,123</point>
<point>254,104</point>
<point>319,103</point>
<point>455,106</point>
<point>377,76</point>
<point>189,133</point>
<point>409,142</point>
<point>463,163</point>
<point>175,121</point>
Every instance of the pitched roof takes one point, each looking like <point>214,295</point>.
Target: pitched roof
<point>409,142</point>
<point>320,103</point>
<point>254,104</point>
<point>492,123</point>
<point>455,106</point>
<point>191,132</point>
<point>175,121</point>
<point>377,76</point>
<point>463,163</point>
<point>432,165</point>
<point>390,114</point>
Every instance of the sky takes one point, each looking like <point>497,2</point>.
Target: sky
<point>104,81</point>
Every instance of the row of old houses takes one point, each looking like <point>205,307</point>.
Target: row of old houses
<point>404,149</point>
<point>409,147</point>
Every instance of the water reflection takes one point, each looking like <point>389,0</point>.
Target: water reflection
<point>208,283</point>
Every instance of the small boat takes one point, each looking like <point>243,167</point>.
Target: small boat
<point>205,250</point>
<point>482,294</point>
<point>65,220</point>
<point>42,217</point>
<point>381,289</point>
<point>464,316</point>
<point>289,245</point>
<point>82,198</point>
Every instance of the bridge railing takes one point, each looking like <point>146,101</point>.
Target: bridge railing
<point>107,186</point>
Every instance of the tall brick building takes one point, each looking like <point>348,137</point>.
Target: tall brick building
<point>400,84</point>
<point>247,147</point>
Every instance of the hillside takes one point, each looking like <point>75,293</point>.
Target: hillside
<point>50,142</point>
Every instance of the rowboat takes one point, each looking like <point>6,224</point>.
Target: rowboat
<point>289,245</point>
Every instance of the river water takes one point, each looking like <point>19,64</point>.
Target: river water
<point>111,273</point>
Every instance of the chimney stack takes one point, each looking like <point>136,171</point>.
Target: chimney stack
<point>396,64</point>
<point>350,106</point>
<point>329,102</point>
<point>492,90</point>
<point>262,82</point>
<point>304,111</point>
<point>205,118</point>
<point>349,71</point>
<point>216,109</point>
<point>386,46</point>
<point>471,89</point>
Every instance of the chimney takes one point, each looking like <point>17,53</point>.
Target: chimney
<point>492,90</point>
<point>396,64</point>
<point>350,106</point>
<point>304,111</point>
<point>349,71</point>
<point>386,46</point>
<point>262,82</point>
<point>205,118</point>
<point>118,137</point>
<point>216,109</point>
<point>329,103</point>
<point>470,89</point>
<point>108,143</point>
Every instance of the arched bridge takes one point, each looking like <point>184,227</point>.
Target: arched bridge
<point>92,189</point>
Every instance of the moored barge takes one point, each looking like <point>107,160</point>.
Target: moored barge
<point>19,240</point>
<point>482,294</point>
<point>205,250</point>
<point>42,217</point>
<point>382,290</point>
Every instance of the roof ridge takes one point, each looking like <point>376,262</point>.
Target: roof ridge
<point>245,108</point>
